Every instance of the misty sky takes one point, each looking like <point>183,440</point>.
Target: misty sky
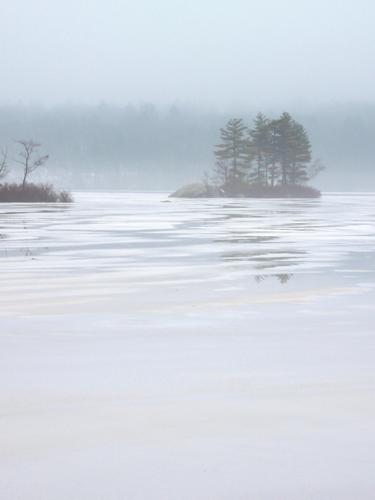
<point>214,52</point>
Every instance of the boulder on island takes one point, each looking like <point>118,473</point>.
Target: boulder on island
<point>196,190</point>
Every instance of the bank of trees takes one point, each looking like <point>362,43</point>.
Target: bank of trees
<point>30,160</point>
<point>270,154</point>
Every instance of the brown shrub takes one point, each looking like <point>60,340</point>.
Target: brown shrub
<point>32,193</point>
<point>290,191</point>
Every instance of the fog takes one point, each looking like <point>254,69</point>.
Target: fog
<point>160,148</point>
<point>116,90</point>
<point>211,53</point>
<point>187,250</point>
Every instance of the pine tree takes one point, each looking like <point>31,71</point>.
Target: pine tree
<point>232,154</point>
<point>283,144</point>
<point>301,156</point>
<point>274,167</point>
<point>291,149</point>
<point>261,148</point>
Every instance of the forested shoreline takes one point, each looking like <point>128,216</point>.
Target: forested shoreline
<point>145,147</point>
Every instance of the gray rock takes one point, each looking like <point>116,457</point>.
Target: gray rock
<point>195,190</point>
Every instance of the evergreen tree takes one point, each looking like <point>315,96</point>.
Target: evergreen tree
<point>283,144</point>
<point>261,148</point>
<point>291,149</point>
<point>274,167</point>
<point>232,153</point>
<point>301,156</point>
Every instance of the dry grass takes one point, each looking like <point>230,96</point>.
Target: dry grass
<point>244,190</point>
<point>291,191</point>
<point>32,193</point>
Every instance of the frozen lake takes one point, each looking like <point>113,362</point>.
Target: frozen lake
<point>187,349</point>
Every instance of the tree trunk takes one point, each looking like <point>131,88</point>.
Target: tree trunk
<point>24,179</point>
<point>284,174</point>
<point>273,171</point>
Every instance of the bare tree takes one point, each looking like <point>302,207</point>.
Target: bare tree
<point>222,172</point>
<point>315,168</point>
<point>3,163</point>
<point>29,158</point>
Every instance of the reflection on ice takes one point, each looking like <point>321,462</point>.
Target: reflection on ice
<point>117,230</point>
<point>118,247</point>
<point>282,278</point>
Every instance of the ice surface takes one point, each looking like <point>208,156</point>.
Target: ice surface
<point>189,349</point>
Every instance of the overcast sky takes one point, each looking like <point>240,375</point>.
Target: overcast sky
<point>211,52</point>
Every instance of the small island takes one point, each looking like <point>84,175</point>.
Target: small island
<point>29,159</point>
<point>272,159</point>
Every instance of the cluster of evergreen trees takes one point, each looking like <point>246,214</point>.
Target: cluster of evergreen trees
<point>271,153</point>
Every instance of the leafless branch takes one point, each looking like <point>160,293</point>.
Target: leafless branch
<point>3,163</point>
<point>27,158</point>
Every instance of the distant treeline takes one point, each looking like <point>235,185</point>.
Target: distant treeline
<point>142,147</point>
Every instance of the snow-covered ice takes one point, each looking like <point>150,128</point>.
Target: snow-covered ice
<point>187,349</point>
